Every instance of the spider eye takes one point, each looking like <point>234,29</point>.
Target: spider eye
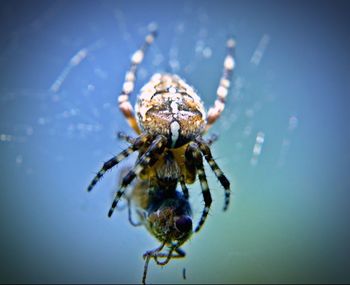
<point>183,224</point>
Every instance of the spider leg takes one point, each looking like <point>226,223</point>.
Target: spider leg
<point>193,153</point>
<point>205,149</point>
<point>116,159</point>
<point>129,199</point>
<point>147,159</point>
<point>225,82</point>
<point>184,187</point>
<point>125,137</point>
<point>129,83</point>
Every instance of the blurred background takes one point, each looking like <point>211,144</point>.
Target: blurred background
<point>283,139</point>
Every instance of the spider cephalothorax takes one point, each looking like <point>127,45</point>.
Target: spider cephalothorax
<point>170,122</point>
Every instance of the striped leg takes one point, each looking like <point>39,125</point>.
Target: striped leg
<point>193,153</point>
<point>118,158</point>
<point>125,137</point>
<point>129,83</point>
<point>225,81</point>
<point>184,187</point>
<point>147,159</point>
<point>204,148</point>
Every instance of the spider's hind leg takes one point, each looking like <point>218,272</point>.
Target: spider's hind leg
<point>128,198</point>
<point>140,141</point>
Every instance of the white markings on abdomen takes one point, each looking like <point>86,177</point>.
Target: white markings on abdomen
<point>175,132</point>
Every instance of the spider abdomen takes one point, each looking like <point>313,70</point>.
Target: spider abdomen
<point>167,105</point>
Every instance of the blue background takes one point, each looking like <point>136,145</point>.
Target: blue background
<point>288,221</point>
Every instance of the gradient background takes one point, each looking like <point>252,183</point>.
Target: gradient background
<point>289,220</point>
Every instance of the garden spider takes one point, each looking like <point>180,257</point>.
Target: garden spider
<point>170,122</point>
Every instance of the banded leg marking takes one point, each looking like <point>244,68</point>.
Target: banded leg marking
<point>204,148</point>
<point>111,163</point>
<point>118,158</point>
<point>125,137</point>
<point>193,153</point>
<point>147,159</point>
<point>147,256</point>
<point>225,82</point>
<point>184,188</point>
<point>129,83</point>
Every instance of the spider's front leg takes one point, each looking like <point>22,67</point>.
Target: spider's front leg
<point>225,82</point>
<point>125,137</point>
<point>205,150</point>
<point>194,155</point>
<point>137,144</point>
<point>184,188</point>
<point>129,83</point>
<point>147,159</point>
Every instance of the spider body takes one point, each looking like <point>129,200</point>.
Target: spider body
<point>170,121</point>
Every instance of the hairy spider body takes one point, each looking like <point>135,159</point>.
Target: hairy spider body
<point>168,106</point>
<point>170,121</point>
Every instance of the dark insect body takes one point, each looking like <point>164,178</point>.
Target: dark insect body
<point>167,215</point>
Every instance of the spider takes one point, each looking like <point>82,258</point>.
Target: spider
<point>167,215</point>
<point>170,121</point>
